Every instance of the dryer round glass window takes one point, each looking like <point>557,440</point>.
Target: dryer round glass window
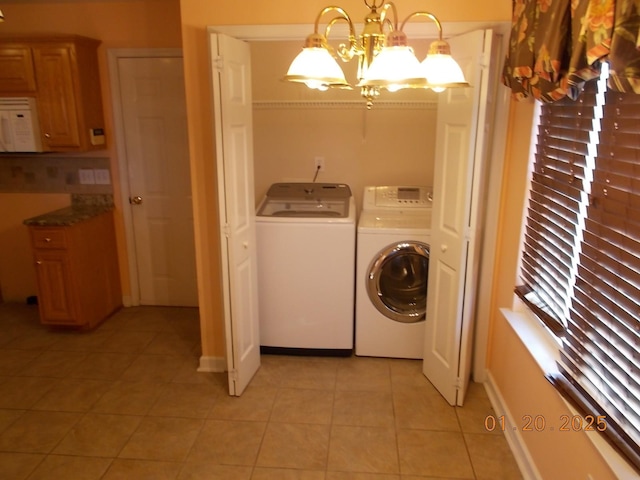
<point>397,281</point>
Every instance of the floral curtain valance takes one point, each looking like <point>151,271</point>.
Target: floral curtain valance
<point>557,45</point>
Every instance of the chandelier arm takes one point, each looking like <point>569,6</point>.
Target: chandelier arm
<point>430,16</point>
<point>383,15</point>
<point>345,54</point>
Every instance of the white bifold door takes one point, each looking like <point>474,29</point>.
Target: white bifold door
<point>464,119</point>
<point>231,75</point>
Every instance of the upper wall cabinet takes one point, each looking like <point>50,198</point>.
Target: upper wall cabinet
<point>62,73</point>
<point>16,70</point>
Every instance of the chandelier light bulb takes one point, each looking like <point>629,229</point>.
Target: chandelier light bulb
<point>316,85</point>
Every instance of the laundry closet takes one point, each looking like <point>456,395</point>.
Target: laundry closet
<point>440,140</point>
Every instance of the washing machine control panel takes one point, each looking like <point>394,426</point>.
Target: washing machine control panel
<point>398,197</point>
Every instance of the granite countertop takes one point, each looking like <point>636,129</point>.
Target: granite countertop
<point>83,207</point>
<point>67,216</point>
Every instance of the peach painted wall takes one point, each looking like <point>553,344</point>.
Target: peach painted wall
<point>247,12</point>
<point>119,24</point>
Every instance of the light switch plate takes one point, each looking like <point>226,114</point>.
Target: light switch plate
<point>87,177</point>
<point>102,175</point>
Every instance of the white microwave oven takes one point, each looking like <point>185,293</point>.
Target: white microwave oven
<point>19,127</point>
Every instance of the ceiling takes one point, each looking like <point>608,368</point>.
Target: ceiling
<point>69,1</point>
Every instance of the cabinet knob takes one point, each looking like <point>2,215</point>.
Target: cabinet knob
<point>47,135</point>
<point>137,200</point>
<point>39,262</point>
<point>47,239</point>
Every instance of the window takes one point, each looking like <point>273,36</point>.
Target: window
<point>581,255</point>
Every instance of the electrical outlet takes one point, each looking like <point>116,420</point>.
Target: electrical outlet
<point>102,176</point>
<point>319,162</point>
<point>86,176</point>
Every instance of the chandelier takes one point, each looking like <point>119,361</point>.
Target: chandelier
<point>385,61</point>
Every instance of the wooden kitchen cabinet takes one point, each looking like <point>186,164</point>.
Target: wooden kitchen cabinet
<point>77,271</point>
<point>16,69</point>
<point>62,73</point>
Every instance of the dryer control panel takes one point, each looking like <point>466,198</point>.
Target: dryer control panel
<point>405,197</point>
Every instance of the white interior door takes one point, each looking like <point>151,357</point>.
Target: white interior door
<point>462,119</point>
<point>231,75</point>
<point>153,108</point>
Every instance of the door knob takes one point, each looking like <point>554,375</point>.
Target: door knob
<point>137,200</point>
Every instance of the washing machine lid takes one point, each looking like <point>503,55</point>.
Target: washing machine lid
<point>307,200</point>
<point>309,191</point>
<point>398,221</point>
<point>304,208</point>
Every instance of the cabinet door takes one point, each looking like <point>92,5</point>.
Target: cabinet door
<point>16,70</point>
<point>56,95</point>
<point>55,298</point>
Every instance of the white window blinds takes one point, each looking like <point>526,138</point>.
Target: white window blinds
<point>581,258</point>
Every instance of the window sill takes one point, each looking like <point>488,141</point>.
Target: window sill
<point>544,348</point>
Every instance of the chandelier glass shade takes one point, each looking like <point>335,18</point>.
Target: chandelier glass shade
<point>394,68</point>
<point>316,68</point>
<point>440,69</point>
<point>385,61</point>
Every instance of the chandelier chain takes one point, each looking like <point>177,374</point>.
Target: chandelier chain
<point>374,4</point>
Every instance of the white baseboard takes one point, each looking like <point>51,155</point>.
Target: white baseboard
<point>127,301</point>
<point>514,439</point>
<point>212,364</point>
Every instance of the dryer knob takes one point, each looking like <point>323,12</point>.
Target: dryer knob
<point>443,248</point>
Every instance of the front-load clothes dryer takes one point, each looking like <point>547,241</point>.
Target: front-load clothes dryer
<point>306,234</point>
<point>392,267</point>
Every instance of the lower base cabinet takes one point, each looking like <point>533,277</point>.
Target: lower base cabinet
<point>77,272</point>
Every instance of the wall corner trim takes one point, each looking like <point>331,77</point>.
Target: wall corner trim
<point>212,365</point>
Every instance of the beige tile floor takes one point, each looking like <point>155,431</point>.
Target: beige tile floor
<point>125,402</point>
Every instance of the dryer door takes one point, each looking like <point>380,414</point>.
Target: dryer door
<point>397,281</point>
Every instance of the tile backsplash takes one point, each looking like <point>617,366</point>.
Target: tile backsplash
<point>55,174</point>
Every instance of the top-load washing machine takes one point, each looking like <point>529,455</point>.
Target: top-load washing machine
<point>392,270</point>
<point>306,234</point>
